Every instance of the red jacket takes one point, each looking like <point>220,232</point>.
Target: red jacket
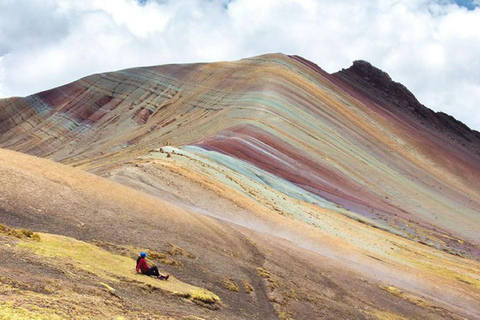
<point>142,265</point>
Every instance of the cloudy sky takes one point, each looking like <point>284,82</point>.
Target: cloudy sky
<point>431,46</point>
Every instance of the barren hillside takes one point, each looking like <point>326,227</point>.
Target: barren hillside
<point>269,186</point>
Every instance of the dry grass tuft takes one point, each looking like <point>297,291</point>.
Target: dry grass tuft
<point>185,295</point>
<point>230,284</point>
<point>247,286</point>
<point>263,273</point>
<point>395,291</point>
<point>170,262</point>
<point>156,255</point>
<point>204,296</point>
<point>285,316</point>
<point>19,233</point>
<point>177,251</point>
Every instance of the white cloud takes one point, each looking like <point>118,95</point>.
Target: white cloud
<point>431,47</point>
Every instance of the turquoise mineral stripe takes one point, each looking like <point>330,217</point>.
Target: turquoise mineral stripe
<point>261,176</point>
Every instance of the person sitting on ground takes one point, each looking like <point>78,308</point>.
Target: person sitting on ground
<point>143,267</point>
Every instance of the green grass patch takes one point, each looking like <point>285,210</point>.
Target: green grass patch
<point>104,264</point>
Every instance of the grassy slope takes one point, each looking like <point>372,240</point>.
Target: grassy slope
<point>108,266</point>
<point>84,264</point>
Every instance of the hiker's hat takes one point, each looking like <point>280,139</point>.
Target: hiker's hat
<point>143,254</point>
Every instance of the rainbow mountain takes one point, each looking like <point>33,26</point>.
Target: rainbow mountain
<point>301,194</point>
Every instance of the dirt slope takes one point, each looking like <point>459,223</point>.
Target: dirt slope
<point>286,279</point>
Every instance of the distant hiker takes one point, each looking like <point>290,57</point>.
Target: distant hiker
<point>143,267</point>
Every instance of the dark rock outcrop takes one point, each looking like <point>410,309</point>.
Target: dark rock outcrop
<point>378,86</point>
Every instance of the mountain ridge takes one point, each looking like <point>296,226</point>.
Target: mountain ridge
<point>365,77</point>
<point>103,115</point>
<point>274,151</point>
<point>360,69</point>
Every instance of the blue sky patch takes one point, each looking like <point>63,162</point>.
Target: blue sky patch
<point>469,4</point>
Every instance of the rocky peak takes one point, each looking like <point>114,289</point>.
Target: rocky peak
<point>393,91</point>
<point>379,87</point>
